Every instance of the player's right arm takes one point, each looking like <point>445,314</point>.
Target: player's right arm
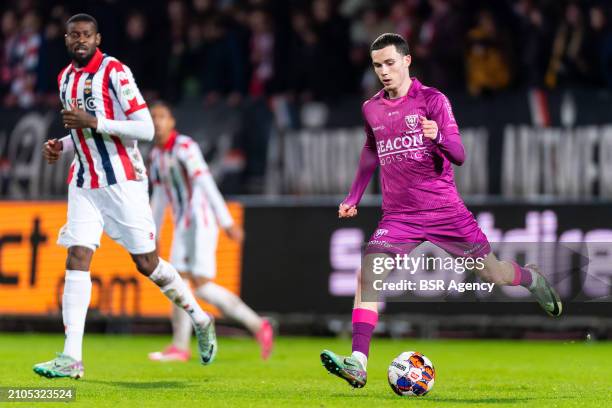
<point>367,165</point>
<point>53,148</point>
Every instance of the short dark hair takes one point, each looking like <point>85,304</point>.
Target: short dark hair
<point>387,39</point>
<point>82,17</point>
<point>163,104</point>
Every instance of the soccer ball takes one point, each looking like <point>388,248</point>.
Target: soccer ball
<point>411,373</point>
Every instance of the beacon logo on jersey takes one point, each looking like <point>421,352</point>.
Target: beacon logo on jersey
<point>401,148</point>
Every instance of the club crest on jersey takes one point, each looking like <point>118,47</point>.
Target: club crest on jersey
<point>128,92</point>
<point>87,89</point>
<point>412,121</point>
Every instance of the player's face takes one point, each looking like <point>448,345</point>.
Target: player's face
<point>164,123</point>
<point>82,39</point>
<point>391,67</point>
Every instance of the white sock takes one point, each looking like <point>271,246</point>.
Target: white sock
<point>181,326</point>
<point>362,358</point>
<point>75,301</point>
<point>171,284</point>
<point>230,305</point>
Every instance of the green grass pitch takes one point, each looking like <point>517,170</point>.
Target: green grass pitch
<point>469,373</point>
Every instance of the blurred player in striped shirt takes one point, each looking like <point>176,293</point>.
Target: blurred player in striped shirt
<point>181,178</point>
<point>108,192</point>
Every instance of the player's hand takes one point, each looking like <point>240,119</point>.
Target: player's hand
<point>347,211</point>
<point>430,128</point>
<point>52,150</point>
<point>77,118</point>
<point>235,233</point>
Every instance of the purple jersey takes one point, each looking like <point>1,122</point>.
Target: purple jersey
<point>416,172</point>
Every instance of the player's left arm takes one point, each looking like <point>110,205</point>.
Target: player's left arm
<point>197,170</point>
<point>441,127</point>
<point>139,124</point>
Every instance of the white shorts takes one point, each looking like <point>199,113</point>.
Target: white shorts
<point>194,248</point>
<point>121,210</point>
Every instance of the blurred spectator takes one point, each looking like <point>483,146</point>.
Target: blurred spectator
<point>364,30</point>
<point>53,58</point>
<point>440,49</point>
<point>350,8</point>
<point>262,52</point>
<point>304,54</point>
<point>606,56</point>
<point>138,53</point>
<point>599,50</point>
<point>486,63</point>
<point>222,72</point>
<point>192,60</point>
<point>23,58</point>
<point>532,45</point>
<point>203,9</point>
<point>337,75</point>
<point>403,16</point>
<point>174,48</point>
<point>111,16</point>
<point>568,65</point>
<point>368,27</point>
<point>9,29</point>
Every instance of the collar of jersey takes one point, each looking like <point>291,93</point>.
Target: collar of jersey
<point>412,92</point>
<point>170,142</point>
<point>93,64</point>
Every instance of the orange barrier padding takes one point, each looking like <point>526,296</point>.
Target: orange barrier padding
<point>32,265</point>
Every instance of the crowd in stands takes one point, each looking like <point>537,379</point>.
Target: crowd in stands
<point>226,50</point>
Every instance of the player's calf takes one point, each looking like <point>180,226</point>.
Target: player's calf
<point>79,258</point>
<point>495,271</point>
<point>146,263</point>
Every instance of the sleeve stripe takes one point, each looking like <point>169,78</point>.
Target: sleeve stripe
<point>135,108</point>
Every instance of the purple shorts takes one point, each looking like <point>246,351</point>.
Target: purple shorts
<point>453,229</point>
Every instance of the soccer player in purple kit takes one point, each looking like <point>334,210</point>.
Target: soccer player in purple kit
<point>412,133</point>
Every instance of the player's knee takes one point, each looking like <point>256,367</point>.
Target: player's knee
<point>186,276</point>
<point>200,281</point>
<point>79,258</point>
<point>146,263</point>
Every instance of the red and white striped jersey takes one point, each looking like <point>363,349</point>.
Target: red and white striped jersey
<point>104,88</point>
<point>180,176</point>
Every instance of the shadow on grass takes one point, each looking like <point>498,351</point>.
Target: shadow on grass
<point>497,400</point>
<point>144,385</point>
<point>492,400</point>
<point>435,400</point>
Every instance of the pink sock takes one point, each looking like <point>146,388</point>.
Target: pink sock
<point>522,276</point>
<point>364,322</point>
